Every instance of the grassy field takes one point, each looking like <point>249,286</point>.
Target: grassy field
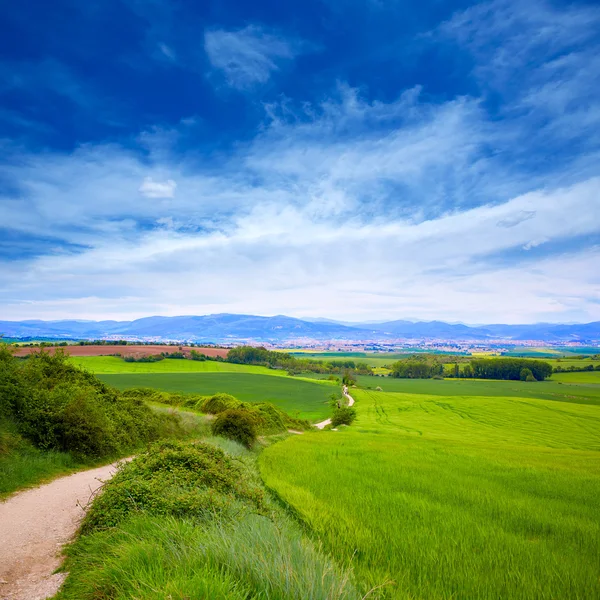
<point>372,359</point>
<point>547,390</point>
<point>114,364</point>
<point>27,466</point>
<point>303,398</point>
<point>592,377</point>
<point>445,495</point>
<point>564,363</point>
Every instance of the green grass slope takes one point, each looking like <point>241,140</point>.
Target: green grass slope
<point>193,521</point>
<point>113,364</point>
<point>592,377</point>
<point>546,390</point>
<point>300,398</point>
<point>448,496</point>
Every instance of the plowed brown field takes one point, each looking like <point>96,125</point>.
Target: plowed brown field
<point>136,351</point>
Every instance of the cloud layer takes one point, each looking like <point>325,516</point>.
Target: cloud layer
<point>481,205</point>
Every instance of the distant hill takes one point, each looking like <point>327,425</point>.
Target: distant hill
<point>240,328</point>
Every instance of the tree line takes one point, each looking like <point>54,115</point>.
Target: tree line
<point>258,355</point>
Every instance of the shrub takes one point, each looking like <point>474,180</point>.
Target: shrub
<point>343,416</point>
<point>526,375</point>
<point>175,479</point>
<point>60,407</point>
<point>236,424</point>
<point>217,403</point>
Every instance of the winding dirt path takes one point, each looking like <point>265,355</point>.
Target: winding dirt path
<point>326,422</point>
<point>34,525</point>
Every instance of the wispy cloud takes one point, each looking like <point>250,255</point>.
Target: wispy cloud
<point>158,189</point>
<point>343,206</point>
<point>248,56</point>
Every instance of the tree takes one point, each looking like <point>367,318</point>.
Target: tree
<point>527,375</point>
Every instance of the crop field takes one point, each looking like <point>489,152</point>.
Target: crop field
<point>74,349</point>
<point>592,377</point>
<point>564,363</point>
<point>551,351</point>
<point>547,390</point>
<point>300,398</point>
<point>114,364</point>
<point>442,495</point>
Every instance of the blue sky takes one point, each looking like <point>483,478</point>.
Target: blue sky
<point>351,159</point>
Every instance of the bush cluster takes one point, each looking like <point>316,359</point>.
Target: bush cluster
<point>265,419</point>
<point>60,407</point>
<point>237,425</point>
<point>343,416</point>
<point>175,479</point>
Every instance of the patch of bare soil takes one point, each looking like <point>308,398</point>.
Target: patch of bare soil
<point>34,525</point>
<point>135,351</point>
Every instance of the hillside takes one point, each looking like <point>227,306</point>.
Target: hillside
<point>222,328</point>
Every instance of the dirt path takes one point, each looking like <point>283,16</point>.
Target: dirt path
<point>34,525</point>
<point>324,424</point>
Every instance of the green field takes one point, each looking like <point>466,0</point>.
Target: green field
<point>114,364</point>
<point>439,494</point>
<point>302,398</point>
<point>547,390</point>
<point>372,359</point>
<point>581,377</point>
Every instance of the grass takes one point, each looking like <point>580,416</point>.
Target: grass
<point>245,548</point>
<point>27,466</point>
<point>113,364</point>
<point>547,390</point>
<point>453,496</point>
<point>305,399</point>
<point>581,377</point>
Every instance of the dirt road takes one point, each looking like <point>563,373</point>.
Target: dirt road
<point>34,525</point>
<point>326,422</point>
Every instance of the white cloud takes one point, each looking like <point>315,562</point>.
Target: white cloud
<point>535,243</point>
<point>158,189</point>
<point>348,208</point>
<point>248,56</point>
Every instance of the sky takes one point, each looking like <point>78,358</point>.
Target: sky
<point>348,159</point>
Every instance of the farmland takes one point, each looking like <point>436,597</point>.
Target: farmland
<point>547,390</point>
<point>303,399</point>
<point>114,364</point>
<point>440,492</point>
<point>134,350</point>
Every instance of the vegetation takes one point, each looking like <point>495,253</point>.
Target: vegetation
<point>451,496</point>
<point>547,390</point>
<point>194,521</point>
<point>266,418</point>
<point>343,415</point>
<point>304,399</point>
<point>417,367</point>
<point>55,417</point>
<point>249,355</point>
<point>510,368</point>
<point>237,425</point>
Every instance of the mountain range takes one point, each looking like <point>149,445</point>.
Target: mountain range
<point>222,328</point>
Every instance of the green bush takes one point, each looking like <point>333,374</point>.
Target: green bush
<point>238,425</point>
<point>62,408</point>
<point>343,416</point>
<point>177,479</point>
<point>217,403</point>
<point>526,375</point>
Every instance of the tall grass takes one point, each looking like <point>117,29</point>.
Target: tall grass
<point>454,497</point>
<point>21,464</point>
<point>247,549</point>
